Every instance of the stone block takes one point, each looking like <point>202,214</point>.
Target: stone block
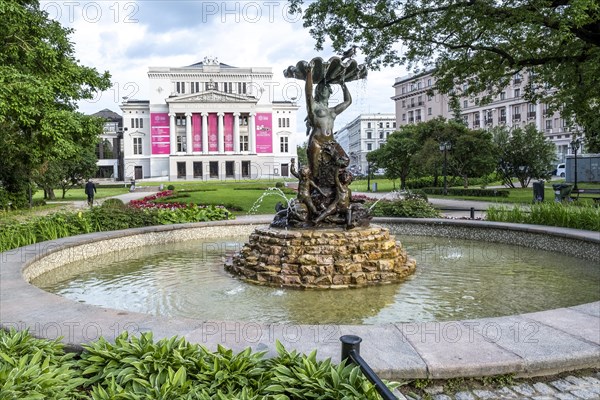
<point>359,278</point>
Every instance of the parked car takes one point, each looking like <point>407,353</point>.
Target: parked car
<point>561,170</point>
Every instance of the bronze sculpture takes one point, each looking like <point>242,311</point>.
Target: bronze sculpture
<point>324,198</point>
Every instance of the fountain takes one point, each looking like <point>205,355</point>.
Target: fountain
<point>323,238</point>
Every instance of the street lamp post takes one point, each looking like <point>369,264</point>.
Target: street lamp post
<point>445,147</point>
<point>575,145</point>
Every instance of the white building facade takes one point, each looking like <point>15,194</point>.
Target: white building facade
<point>109,148</point>
<point>208,121</point>
<point>414,104</point>
<point>365,133</point>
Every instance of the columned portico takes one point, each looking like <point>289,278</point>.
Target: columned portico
<point>252,135</point>
<point>173,135</point>
<point>220,133</point>
<point>204,133</point>
<point>188,132</point>
<point>236,132</point>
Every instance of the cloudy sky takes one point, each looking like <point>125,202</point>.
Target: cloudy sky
<point>127,37</point>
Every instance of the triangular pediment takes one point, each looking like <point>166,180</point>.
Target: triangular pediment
<point>212,96</point>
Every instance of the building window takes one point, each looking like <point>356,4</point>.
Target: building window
<point>369,135</point>
<point>180,120</point>
<point>245,169</point>
<point>394,124</point>
<point>283,144</point>
<point>429,111</point>
<point>243,142</point>
<point>197,169</point>
<point>368,124</point>
<point>403,103</point>
<point>369,146</point>
<point>387,124</point>
<point>516,112</point>
<point>502,95</point>
<point>137,145</point>
<point>428,82</point>
<point>429,97</point>
<point>181,143</point>
<point>517,93</point>
<point>403,117</point>
<point>181,173</point>
<point>381,124</point>
<point>213,167</point>
<point>229,169</point>
<point>180,87</point>
<point>465,103</point>
<point>548,124</point>
<point>380,134</point>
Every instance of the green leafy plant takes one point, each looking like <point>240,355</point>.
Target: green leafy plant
<point>553,214</point>
<point>36,369</point>
<point>409,208</point>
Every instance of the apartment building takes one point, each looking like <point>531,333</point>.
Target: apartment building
<point>365,133</point>
<point>509,108</point>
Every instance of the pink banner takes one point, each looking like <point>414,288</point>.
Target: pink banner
<point>196,132</point>
<point>228,131</point>
<point>213,141</point>
<point>160,138</point>
<point>264,133</point>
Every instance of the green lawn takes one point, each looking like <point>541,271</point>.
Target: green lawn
<point>79,194</point>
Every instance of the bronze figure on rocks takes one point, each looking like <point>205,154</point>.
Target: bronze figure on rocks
<point>324,198</point>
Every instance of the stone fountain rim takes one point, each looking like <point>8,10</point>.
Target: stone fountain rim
<point>567,338</point>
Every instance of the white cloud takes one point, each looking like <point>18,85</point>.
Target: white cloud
<point>126,37</point>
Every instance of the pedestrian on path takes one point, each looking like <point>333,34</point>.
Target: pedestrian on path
<point>90,191</point>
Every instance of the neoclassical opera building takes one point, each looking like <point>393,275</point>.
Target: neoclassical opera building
<point>208,121</point>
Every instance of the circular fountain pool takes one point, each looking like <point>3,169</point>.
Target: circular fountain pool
<point>455,279</point>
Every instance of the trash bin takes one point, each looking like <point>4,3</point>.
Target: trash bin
<point>374,185</point>
<point>561,191</point>
<point>538,191</point>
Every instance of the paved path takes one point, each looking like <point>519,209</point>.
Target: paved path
<point>449,207</point>
<point>571,387</point>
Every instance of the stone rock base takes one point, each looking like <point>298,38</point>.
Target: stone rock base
<point>321,258</point>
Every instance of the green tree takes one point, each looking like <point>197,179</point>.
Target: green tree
<point>481,43</point>
<point>396,156</point>
<point>522,153</point>
<point>68,169</point>
<point>40,83</point>
<point>302,155</point>
<point>473,154</point>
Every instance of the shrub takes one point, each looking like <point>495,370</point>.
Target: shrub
<point>279,185</point>
<point>413,208</point>
<point>468,192</point>
<point>36,369</point>
<point>113,203</point>
<point>170,187</point>
<point>552,214</point>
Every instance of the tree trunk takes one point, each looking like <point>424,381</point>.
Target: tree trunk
<point>50,193</point>
<point>465,181</point>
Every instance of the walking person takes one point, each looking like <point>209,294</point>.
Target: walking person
<point>90,190</point>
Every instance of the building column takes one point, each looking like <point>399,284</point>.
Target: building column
<point>509,121</point>
<point>541,125</point>
<point>252,133</point>
<point>173,134</point>
<point>188,132</point>
<point>236,132</point>
<point>221,133</point>
<point>204,133</point>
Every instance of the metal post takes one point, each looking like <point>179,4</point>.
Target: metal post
<point>445,172</point>
<point>472,213</point>
<point>351,352</point>
<point>350,343</point>
<point>575,185</point>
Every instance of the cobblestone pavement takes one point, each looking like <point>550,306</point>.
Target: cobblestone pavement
<point>568,387</point>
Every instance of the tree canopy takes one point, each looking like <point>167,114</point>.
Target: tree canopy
<point>483,43</point>
<point>40,83</point>
<point>523,153</point>
<point>413,150</point>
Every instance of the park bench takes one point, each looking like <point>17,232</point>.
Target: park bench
<point>585,192</point>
